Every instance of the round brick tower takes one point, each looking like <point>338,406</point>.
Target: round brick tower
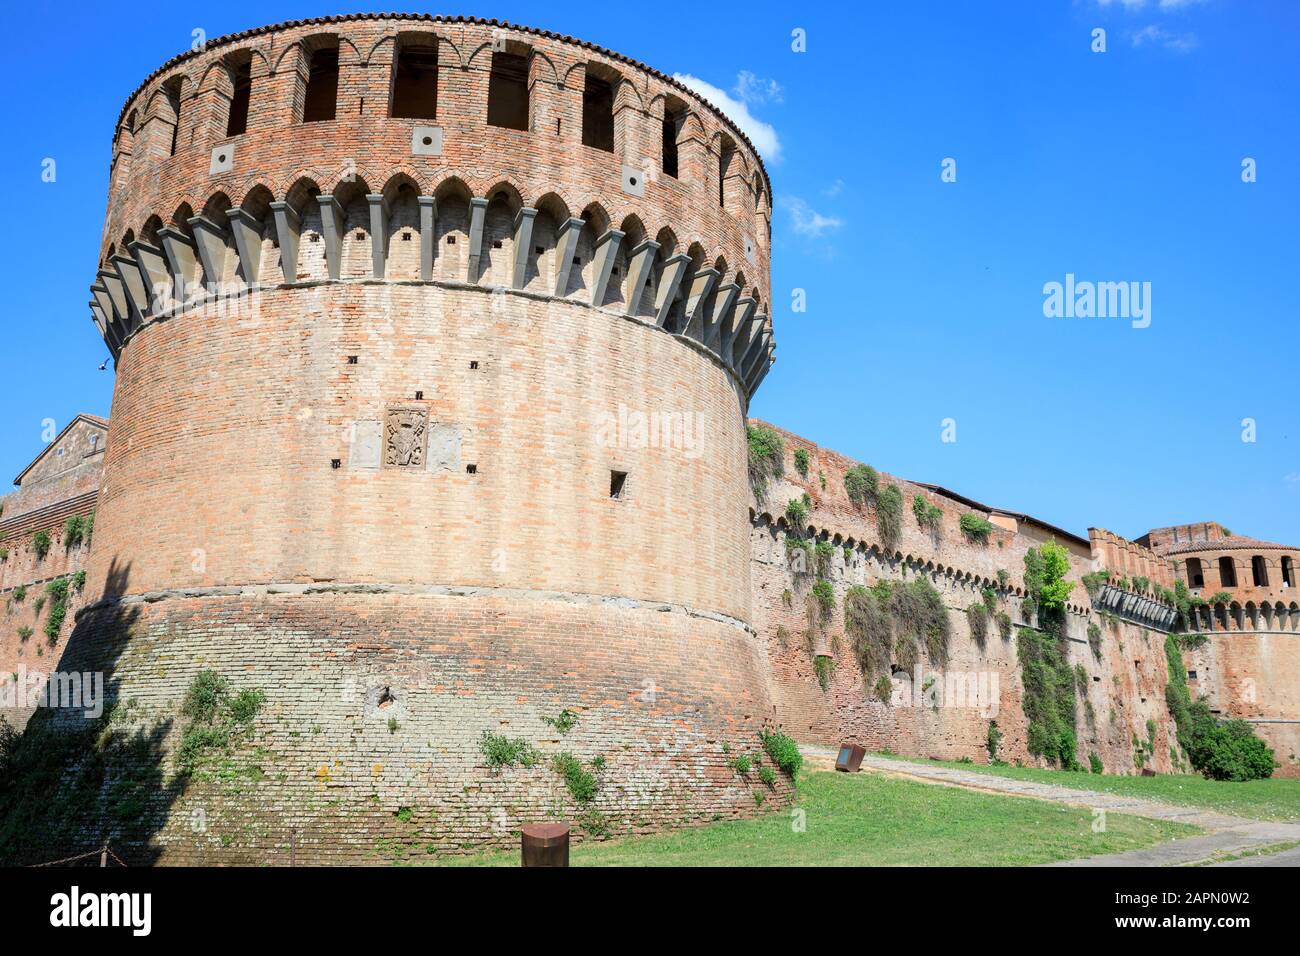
<point>434,341</point>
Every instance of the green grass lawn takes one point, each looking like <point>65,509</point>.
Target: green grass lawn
<point>867,819</point>
<point>1272,799</point>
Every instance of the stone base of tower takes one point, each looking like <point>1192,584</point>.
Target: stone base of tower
<point>367,747</point>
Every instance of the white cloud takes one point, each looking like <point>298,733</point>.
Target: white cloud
<point>1139,4</point>
<point>807,222</point>
<point>1158,36</point>
<point>754,89</point>
<point>1293,478</point>
<point>762,135</point>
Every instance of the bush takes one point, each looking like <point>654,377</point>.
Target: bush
<point>1232,751</point>
<point>582,783</point>
<point>824,592</point>
<point>975,527</point>
<point>977,618</point>
<point>990,597</point>
<point>889,515</point>
<point>825,551</point>
<point>783,751</point>
<point>74,530</point>
<point>1095,581</point>
<point>766,458</point>
<point>824,666</point>
<point>1004,624</point>
<point>884,689</point>
<point>215,720</point>
<point>1094,640</point>
<point>1045,569</point>
<point>861,484</point>
<point>801,462</point>
<point>1094,763</point>
<point>501,751</point>
<point>868,627</point>
<point>20,594</point>
<point>57,591</point>
<point>928,516</point>
<point>79,581</point>
<point>919,615</point>
<point>796,512</point>
<point>767,775</point>
<point>564,721</point>
<point>41,544</point>
<point>1048,701</point>
<point>994,741</point>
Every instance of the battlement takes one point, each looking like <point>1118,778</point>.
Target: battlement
<point>437,150</point>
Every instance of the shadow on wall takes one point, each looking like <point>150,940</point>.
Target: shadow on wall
<point>85,773</point>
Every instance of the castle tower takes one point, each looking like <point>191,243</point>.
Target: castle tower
<point>434,342</point>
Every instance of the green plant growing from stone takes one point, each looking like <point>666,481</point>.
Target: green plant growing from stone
<point>977,620</point>
<point>928,516</point>
<point>869,629</point>
<point>1003,620</point>
<point>796,512</point>
<point>582,783</point>
<point>502,751</point>
<point>919,615</point>
<point>24,632</point>
<point>767,775</point>
<point>824,592</point>
<point>801,462</point>
<point>783,751</point>
<point>216,721</point>
<point>74,532</point>
<point>862,485</point>
<point>1045,569</point>
<point>824,666</point>
<point>1094,640</point>
<point>57,591</point>
<point>393,725</point>
<point>884,689</point>
<point>975,527</point>
<point>741,763</point>
<point>564,721</point>
<point>79,581</point>
<point>766,458</point>
<point>994,741</point>
<point>1094,764</point>
<point>889,515</point>
<point>20,594</point>
<point>41,544</point>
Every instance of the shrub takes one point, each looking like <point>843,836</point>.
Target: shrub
<point>1045,569</point>
<point>1004,624</point>
<point>919,615</point>
<point>564,721</point>
<point>801,462</point>
<point>862,485</point>
<point>824,592</point>
<point>216,720</point>
<point>783,751</point>
<point>582,783</point>
<point>766,458</point>
<point>867,625</point>
<point>928,516</point>
<point>1220,597</point>
<point>41,544</point>
<point>1232,751</point>
<point>741,763</point>
<point>767,775</point>
<point>1193,641</point>
<point>1094,763</point>
<point>79,581</point>
<point>884,689</point>
<point>824,551</point>
<point>4,553</point>
<point>796,512</point>
<point>975,527</point>
<point>20,594</point>
<point>74,530</point>
<point>990,597</point>
<point>57,591</point>
<point>1094,640</point>
<point>799,554</point>
<point>88,528</point>
<point>977,618</point>
<point>889,515</point>
<point>824,665</point>
<point>24,632</point>
<point>205,696</point>
<point>1048,700</point>
<point>502,751</point>
<point>994,741</point>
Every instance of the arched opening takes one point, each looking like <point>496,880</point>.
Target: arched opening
<point>302,198</point>
<point>1259,571</point>
<point>172,90</point>
<point>496,258</point>
<point>403,228</point>
<point>674,117</point>
<point>598,108</point>
<point>1288,572</point>
<point>1195,573</point>
<point>452,232</point>
<point>258,205</point>
<point>551,212</point>
<point>595,223</point>
<point>355,255</point>
<point>726,157</point>
<point>240,67</point>
<point>1227,572</point>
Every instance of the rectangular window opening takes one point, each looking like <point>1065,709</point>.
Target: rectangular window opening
<point>672,122</point>
<point>237,121</point>
<point>508,91</point>
<point>321,98</point>
<point>617,483</point>
<point>415,82</point>
<point>598,114</point>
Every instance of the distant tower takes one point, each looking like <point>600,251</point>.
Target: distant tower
<point>434,342</point>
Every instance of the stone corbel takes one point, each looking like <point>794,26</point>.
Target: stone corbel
<point>640,261</point>
<point>153,269</point>
<point>247,230</point>
<point>288,230</point>
<point>701,284</point>
<point>670,280</point>
<point>428,235</point>
<point>112,284</point>
<point>477,215</point>
<point>606,251</point>
<point>761,366</point>
<point>380,209</point>
<point>523,244</point>
<point>722,330</point>
<point>331,223</point>
<point>137,297</point>
<point>99,291</point>
<point>746,326</point>
<point>764,367</point>
<point>182,259</point>
<point>757,343</point>
<point>106,331</point>
<point>566,244</point>
<point>211,242</point>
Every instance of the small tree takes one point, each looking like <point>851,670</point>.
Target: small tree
<point>41,544</point>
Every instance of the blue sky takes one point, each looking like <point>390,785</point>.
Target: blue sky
<point>925,298</point>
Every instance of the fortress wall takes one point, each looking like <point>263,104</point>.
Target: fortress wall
<point>657,693</point>
<point>1125,686</point>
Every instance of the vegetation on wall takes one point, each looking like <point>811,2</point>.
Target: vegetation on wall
<point>74,532</point>
<point>796,512</point>
<point>867,626</point>
<point>1003,620</point>
<point>824,592</point>
<point>503,751</point>
<point>216,720</point>
<point>977,618</point>
<point>1094,640</point>
<point>919,615</point>
<point>862,485</point>
<point>57,591</point>
<point>1049,682</point>
<point>41,544</point>
<point>889,515</point>
<point>824,666</point>
<point>1221,750</point>
<point>975,527</point>
<point>928,516</point>
<point>564,721</point>
<point>766,458</point>
<point>801,462</point>
<point>1045,569</point>
<point>994,741</point>
<point>581,781</point>
<point>783,751</point>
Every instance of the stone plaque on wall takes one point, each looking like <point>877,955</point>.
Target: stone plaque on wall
<point>406,432</point>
